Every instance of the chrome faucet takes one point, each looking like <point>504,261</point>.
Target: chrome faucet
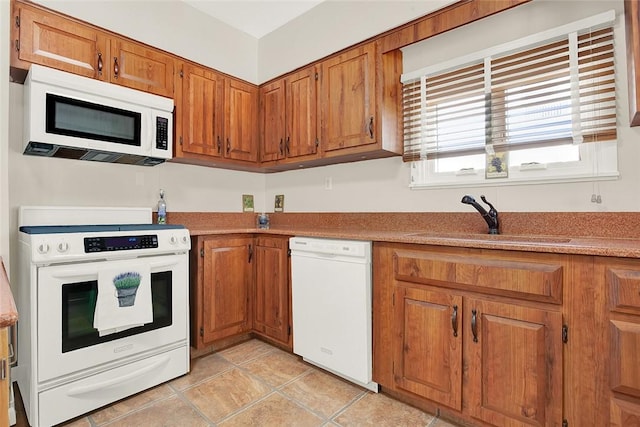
<point>491,217</point>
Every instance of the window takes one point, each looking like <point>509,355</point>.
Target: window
<point>536,109</point>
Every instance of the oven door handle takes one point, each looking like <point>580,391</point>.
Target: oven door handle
<point>164,264</point>
<point>80,390</point>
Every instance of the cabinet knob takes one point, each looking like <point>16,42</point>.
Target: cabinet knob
<point>100,63</point>
<point>116,67</point>
<point>454,320</point>
<point>474,325</point>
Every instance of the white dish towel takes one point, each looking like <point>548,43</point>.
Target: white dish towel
<point>115,314</point>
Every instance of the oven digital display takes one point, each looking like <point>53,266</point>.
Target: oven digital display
<point>120,243</point>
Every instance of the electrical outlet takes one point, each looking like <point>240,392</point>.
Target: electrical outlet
<point>328,183</point>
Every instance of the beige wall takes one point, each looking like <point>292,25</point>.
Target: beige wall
<point>382,185</point>
<point>332,26</point>
<point>4,132</point>
<point>173,26</point>
<point>377,185</point>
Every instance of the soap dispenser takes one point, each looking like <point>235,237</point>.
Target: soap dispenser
<point>162,209</point>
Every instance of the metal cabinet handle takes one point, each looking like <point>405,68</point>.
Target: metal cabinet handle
<point>287,147</point>
<point>454,320</point>
<point>281,146</point>
<point>474,325</point>
<point>250,253</point>
<point>228,146</point>
<point>371,127</point>
<point>100,63</point>
<point>219,144</point>
<point>116,67</point>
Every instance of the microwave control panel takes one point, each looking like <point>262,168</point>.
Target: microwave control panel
<point>162,133</point>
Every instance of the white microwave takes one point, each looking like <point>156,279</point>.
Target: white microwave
<point>75,117</point>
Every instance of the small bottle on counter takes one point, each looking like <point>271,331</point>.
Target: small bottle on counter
<point>162,209</point>
<point>262,221</point>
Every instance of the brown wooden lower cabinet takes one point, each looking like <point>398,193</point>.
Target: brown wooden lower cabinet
<point>620,279</point>
<point>222,272</point>
<point>463,345</point>
<point>272,298</point>
<point>240,283</point>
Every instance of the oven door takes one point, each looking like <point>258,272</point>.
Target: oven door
<point>67,342</point>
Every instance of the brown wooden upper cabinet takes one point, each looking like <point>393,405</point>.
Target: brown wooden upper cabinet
<point>52,40</point>
<point>216,117</point>
<point>348,101</point>
<point>289,120</point>
<point>632,25</point>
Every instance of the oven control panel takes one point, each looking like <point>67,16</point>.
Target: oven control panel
<point>120,243</point>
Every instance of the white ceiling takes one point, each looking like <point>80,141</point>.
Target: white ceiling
<point>254,17</point>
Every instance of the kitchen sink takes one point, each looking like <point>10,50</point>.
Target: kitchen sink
<point>503,238</point>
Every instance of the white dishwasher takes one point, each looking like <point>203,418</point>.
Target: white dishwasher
<point>331,302</point>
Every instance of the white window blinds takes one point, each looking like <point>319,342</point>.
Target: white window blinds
<point>557,91</point>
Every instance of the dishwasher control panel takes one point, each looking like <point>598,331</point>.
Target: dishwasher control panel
<point>354,248</point>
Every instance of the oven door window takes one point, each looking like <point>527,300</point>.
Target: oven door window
<point>72,117</point>
<point>79,303</point>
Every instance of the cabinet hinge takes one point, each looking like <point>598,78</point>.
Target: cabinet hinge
<point>202,253</point>
<point>18,21</point>
<point>565,423</point>
<point>565,333</point>
<point>18,45</point>
<point>201,331</point>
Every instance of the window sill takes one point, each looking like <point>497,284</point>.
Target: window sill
<point>610,176</point>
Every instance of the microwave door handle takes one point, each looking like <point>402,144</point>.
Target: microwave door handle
<point>148,140</point>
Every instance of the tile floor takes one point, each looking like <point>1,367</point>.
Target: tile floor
<point>254,384</point>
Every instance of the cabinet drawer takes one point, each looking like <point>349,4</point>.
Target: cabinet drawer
<point>508,276</point>
<point>624,288</point>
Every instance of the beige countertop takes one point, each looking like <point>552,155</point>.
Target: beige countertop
<point>618,247</point>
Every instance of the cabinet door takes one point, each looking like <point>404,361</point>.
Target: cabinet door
<point>139,67</point>
<point>241,125</point>
<point>272,97</point>
<point>301,113</point>
<point>272,288</point>
<point>515,364</point>
<point>202,111</point>
<point>348,99</point>
<point>428,347</point>
<point>51,40</point>
<point>227,279</point>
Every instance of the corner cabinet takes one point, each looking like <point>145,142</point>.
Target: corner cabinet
<point>272,297</point>
<point>56,41</point>
<point>475,334</point>
<point>216,119</point>
<point>342,109</point>
<point>632,25</point>
<point>222,271</point>
<point>289,118</point>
